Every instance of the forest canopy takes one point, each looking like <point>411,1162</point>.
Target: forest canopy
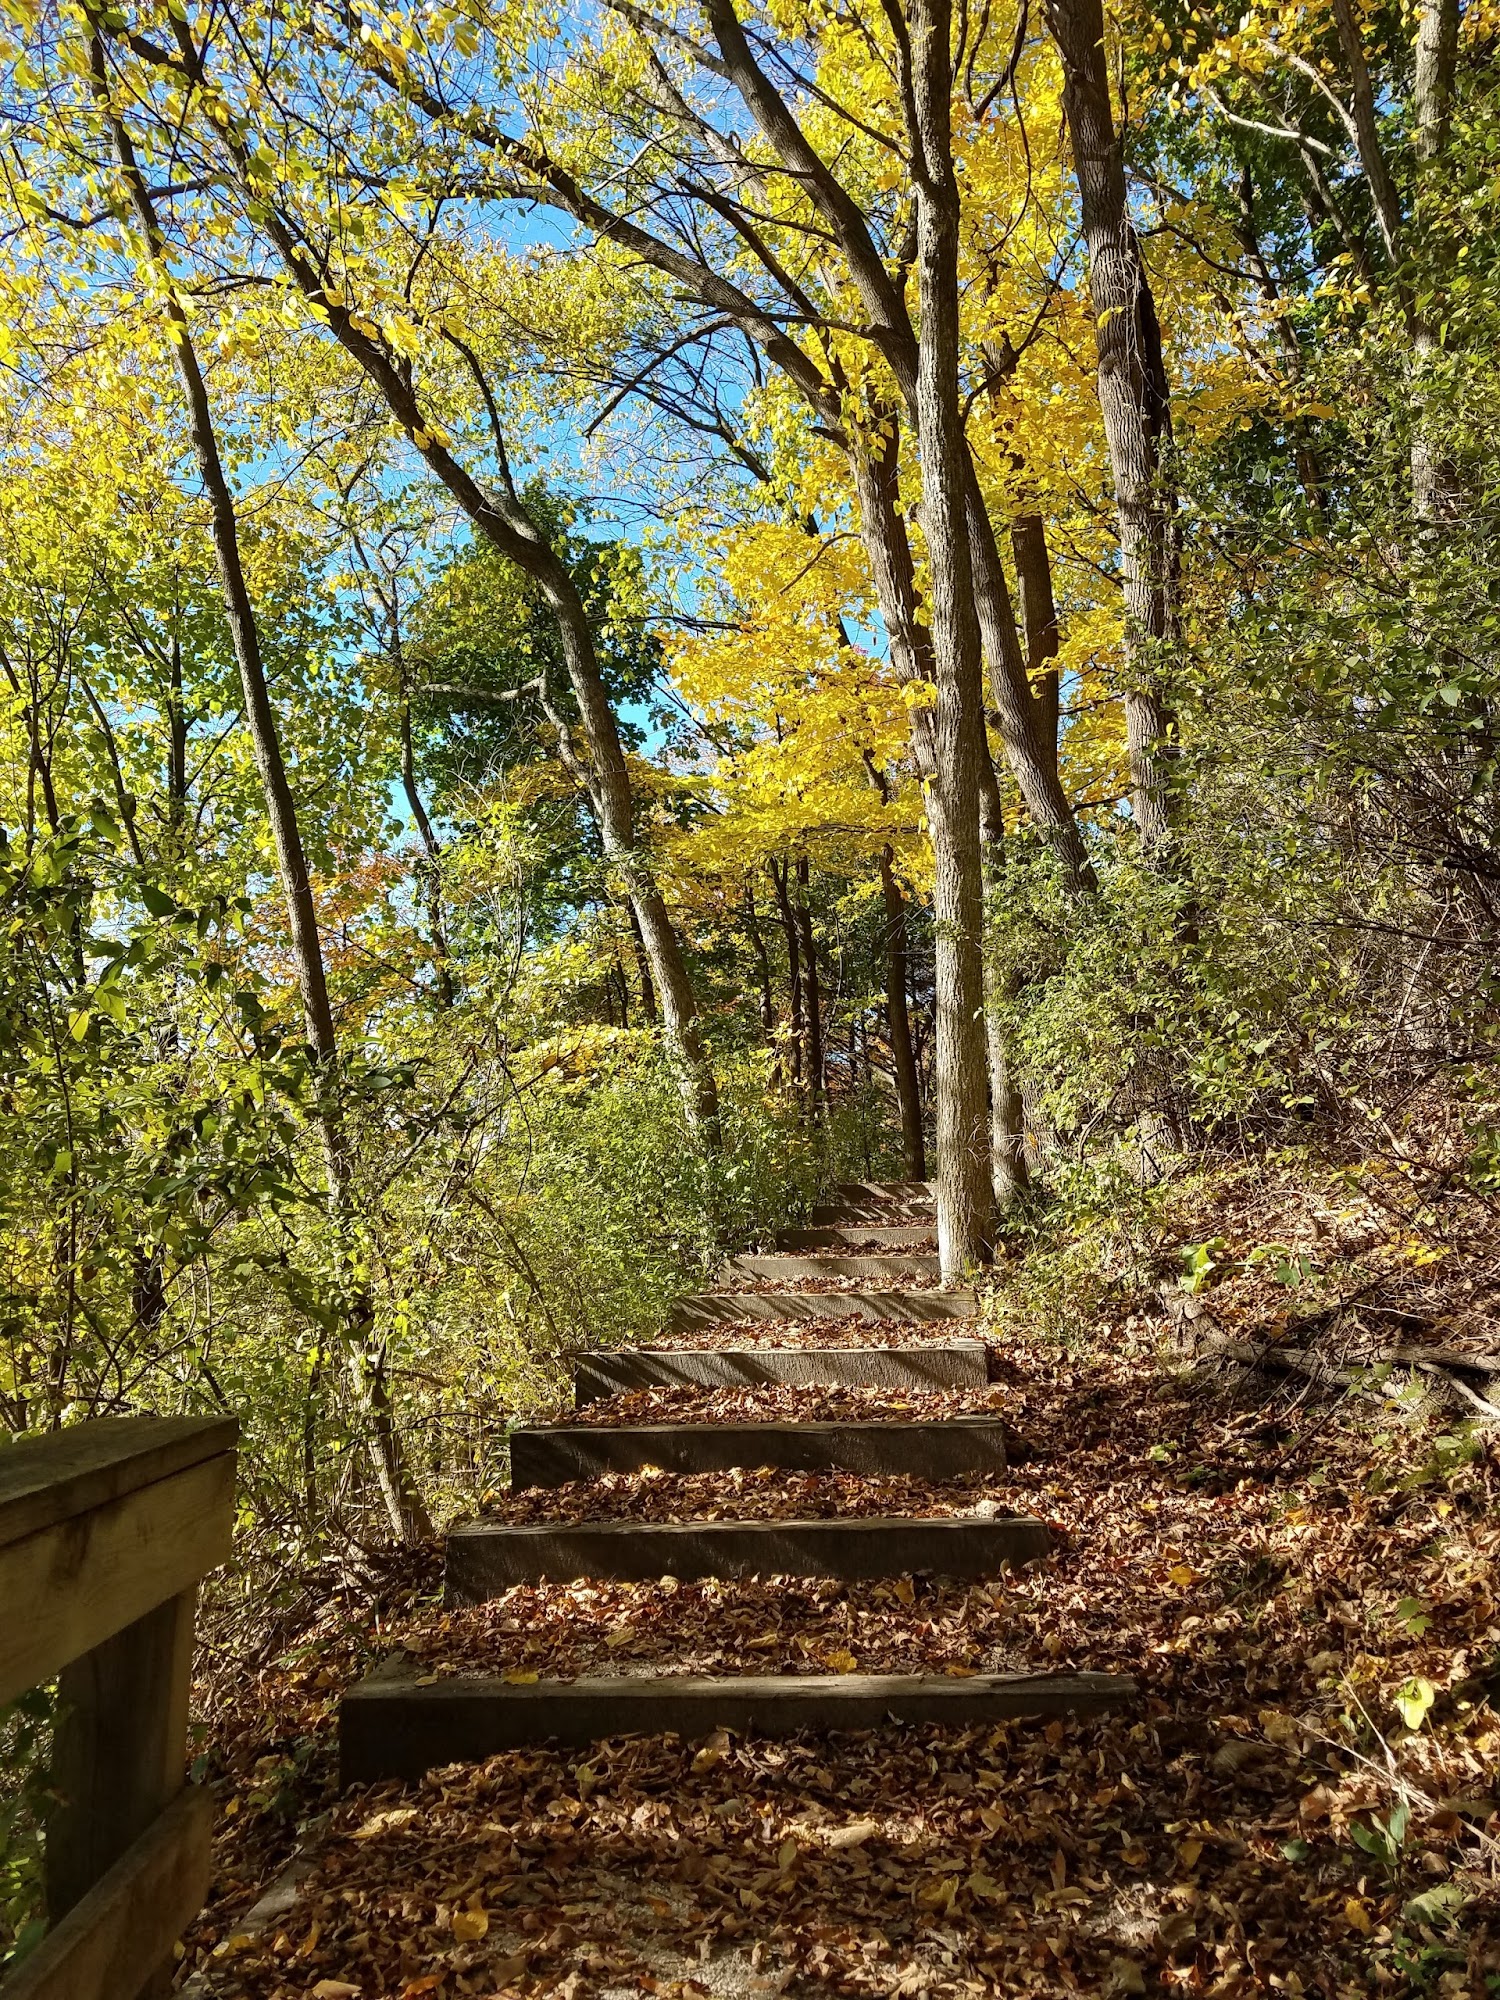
<point>607,613</point>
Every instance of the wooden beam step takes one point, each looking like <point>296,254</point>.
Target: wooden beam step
<point>832,1213</point>
<point>908,1306</point>
<point>949,1364</point>
<point>885,1191</point>
<point>889,1235</point>
<point>892,1268</point>
<point>554,1454</point>
<point>390,1727</point>
<point>486,1558</point>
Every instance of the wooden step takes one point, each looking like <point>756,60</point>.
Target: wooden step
<point>906,1307</point>
<point>947,1364</point>
<point>889,1235</point>
<point>554,1454</point>
<point>891,1268</point>
<point>390,1726</point>
<point>885,1191</point>
<point>832,1214</point>
<point>485,1558</point>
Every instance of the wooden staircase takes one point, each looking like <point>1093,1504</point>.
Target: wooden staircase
<point>395,1724</point>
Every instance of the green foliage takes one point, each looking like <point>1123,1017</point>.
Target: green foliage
<point>25,1734</point>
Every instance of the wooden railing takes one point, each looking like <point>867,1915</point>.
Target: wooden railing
<point>105,1532</point>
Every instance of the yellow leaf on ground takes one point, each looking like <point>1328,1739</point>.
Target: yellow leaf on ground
<point>521,1677</point>
<point>468,1926</point>
<point>385,1822</point>
<point>713,1751</point>
<point>1357,1916</point>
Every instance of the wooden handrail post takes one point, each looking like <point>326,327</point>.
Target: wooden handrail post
<point>105,1531</point>
<point>119,1751</point>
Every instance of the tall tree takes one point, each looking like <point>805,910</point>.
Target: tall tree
<point>408,1514</point>
<point>1135,402</point>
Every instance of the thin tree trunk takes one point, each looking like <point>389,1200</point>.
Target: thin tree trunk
<point>432,868</point>
<point>1028,542</point>
<point>812,994</point>
<point>1008,1170</point>
<point>177,740</point>
<point>1135,406</point>
<point>763,966</point>
<point>898,1018</point>
<point>964,1191</point>
<point>643,967</point>
<point>499,513</point>
<point>1436,495</point>
<point>407,1513</point>
<point>793,967</point>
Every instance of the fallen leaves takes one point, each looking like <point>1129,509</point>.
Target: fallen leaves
<point>763,1403</point>
<point>748,1493</point>
<point>1232,1837</point>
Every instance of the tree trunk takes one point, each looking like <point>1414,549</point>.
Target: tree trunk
<point>812,996</point>
<point>431,868</point>
<point>177,740</point>
<point>1135,406</point>
<point>642,966</point>
<point>898,1018</point>
<point>964,1193</point>
<point>763,966</point>
<point>499,514</point>
<point>404,1507</point>
<point>1436,496</point>
<point>793,969</point>
<point>1009,1175</point>
<point>1028,542</point>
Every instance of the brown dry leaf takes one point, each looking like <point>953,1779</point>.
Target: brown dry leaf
<point>713,1751</point>
<point>385,1822</point>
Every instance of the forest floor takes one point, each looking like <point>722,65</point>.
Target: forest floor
<point>1302,1577</point>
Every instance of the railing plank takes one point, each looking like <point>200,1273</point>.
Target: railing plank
<point>113,1940</point>
<point>74,1584</point>
<point>53,1475</point>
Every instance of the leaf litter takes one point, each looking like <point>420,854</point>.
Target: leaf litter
<point>1304,1801</point>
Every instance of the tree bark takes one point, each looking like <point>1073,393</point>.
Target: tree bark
<point>964,1191</point>
<point>404,1506</point>
<point>1009,1172</point>
<point>1028,542</point>
<point>898,1020</point>
<point>793,970</point>
<point>1135,405</point>
<point>812,993</point>
<point>642,966</point>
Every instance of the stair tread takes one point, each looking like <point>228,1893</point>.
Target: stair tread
<point>391,1726</point>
